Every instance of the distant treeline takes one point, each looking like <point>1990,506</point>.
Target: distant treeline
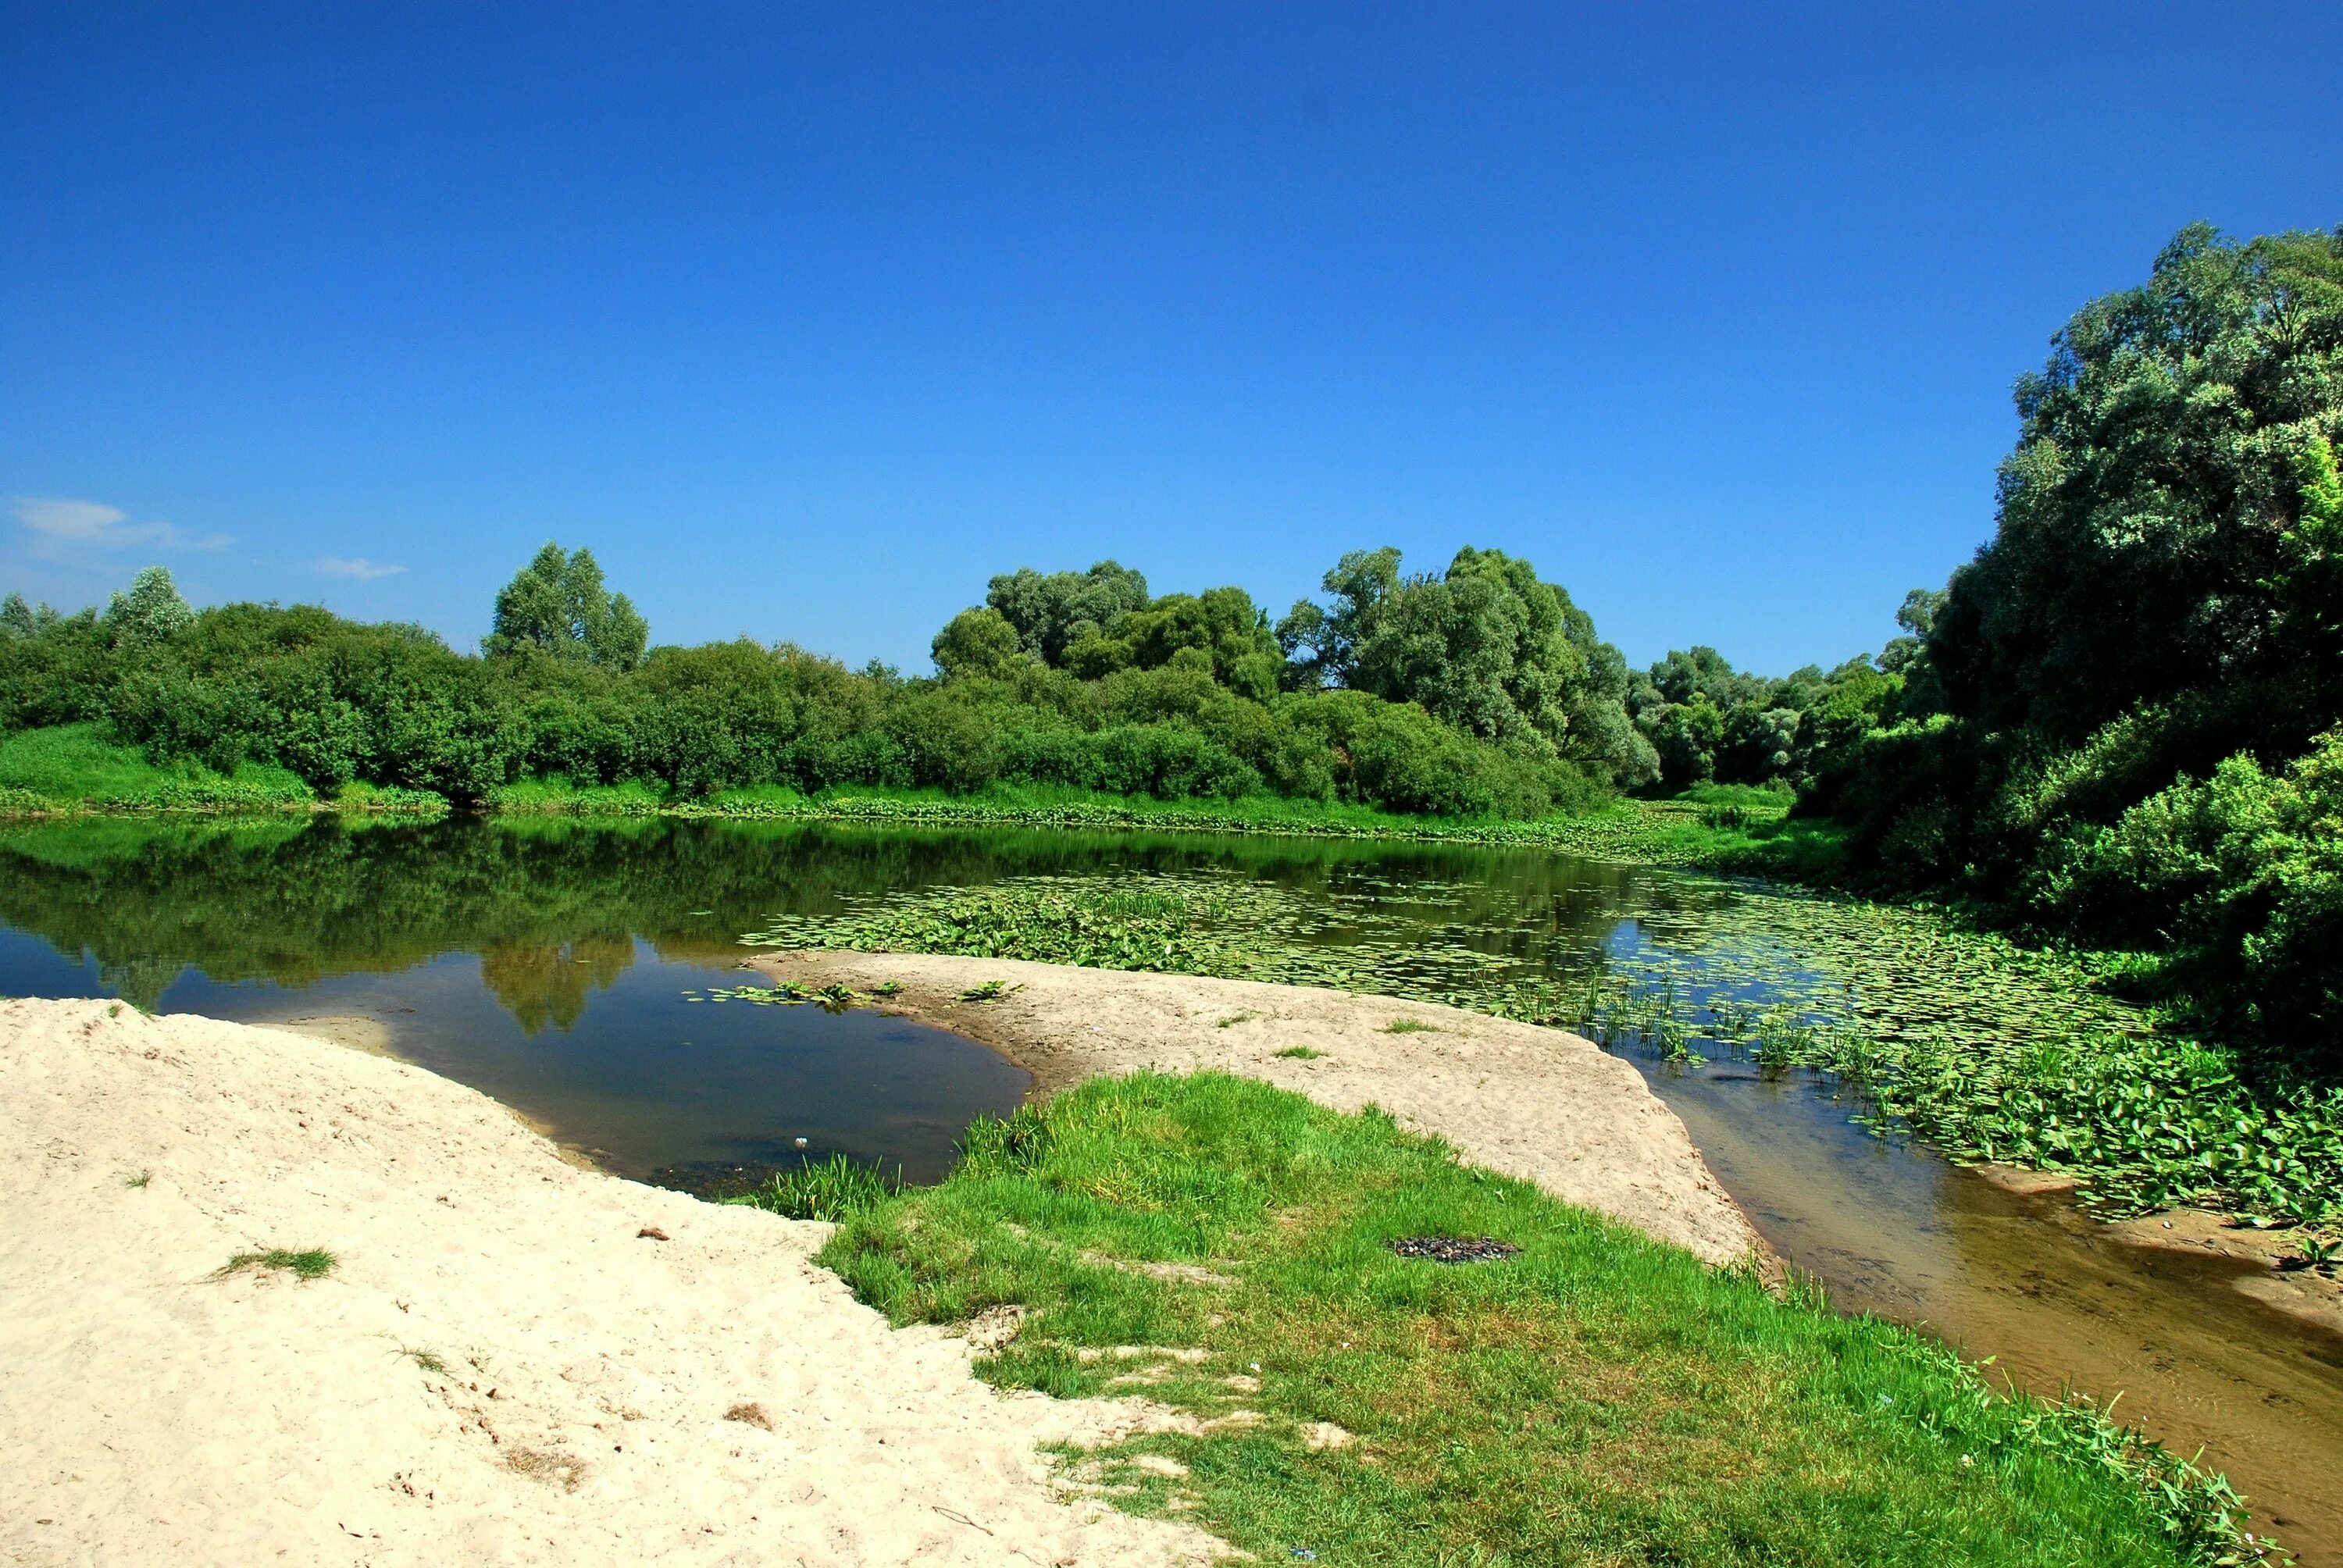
<point>1480,692</point>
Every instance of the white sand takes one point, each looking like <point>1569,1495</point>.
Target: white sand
<point>1540,1104</point>
<point>153,1413</point>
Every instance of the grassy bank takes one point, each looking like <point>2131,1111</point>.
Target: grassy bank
<point>1597,1397</point>
<point>74,770</point>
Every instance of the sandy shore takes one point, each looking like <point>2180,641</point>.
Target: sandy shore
<point>1537,1103</point>
<point>502,1367</point>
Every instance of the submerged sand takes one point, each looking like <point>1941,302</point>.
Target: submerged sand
<point>1540,1104</point>
<point>502,1368</point>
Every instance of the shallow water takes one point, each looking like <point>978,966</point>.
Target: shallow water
<point>546,964</point>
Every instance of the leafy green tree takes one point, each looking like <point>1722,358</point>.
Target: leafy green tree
<point>1222,624</point>
<point>558,605</point>
<point>2166,529</point>
<point>20,620</point>
<point>1053,610</point>
<point>976,642</point>
<point>1486,646</point>
<point>150,612</point>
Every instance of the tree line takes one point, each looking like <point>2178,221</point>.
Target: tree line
<point>1480,692</point>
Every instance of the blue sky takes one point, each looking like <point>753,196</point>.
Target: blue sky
<point>808,319</point>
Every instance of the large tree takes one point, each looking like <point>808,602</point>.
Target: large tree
<point>2170,522</point>
<point>1487,645</point>
<point>558,605</point>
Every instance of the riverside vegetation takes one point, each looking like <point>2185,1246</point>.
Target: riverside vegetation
<point>1219,1245</point>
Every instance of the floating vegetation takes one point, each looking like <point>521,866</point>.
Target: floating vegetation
<point>835,997</point>
<point>1991,1051</point>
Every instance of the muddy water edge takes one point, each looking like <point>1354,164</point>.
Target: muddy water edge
<point>2058,1299</point>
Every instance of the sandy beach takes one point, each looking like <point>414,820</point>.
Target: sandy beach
<point>501,1368</point>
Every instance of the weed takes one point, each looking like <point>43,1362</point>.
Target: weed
<point>990,990</point>
<point>1299,1053</point>
<point>426,1360</point>
<point>828,1189</point>
<point>314,1264</point>
<point>1235,1019</point>
<point>1410,1026</point>
<point>138,1181</point>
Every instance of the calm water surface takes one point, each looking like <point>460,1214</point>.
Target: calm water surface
<point>546,964</point>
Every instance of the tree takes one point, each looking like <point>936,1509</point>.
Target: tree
<point>557,605</point>
<point>1487,646</point>
<point>1054,610</point>
<point>976,642</point>
<point>2160,536</point>
<point>18,619</point>
<point>152,610</point>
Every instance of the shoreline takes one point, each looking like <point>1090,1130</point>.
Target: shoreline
<point>1540,1104</point>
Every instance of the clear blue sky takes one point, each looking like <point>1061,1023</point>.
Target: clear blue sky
<point>808,319</point>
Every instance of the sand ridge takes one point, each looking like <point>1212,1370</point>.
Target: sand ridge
<point>574,1405</point>
<point>1540,1104</point>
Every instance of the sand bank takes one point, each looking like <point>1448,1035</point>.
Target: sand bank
<point>502,1368</point>
<point>1537,1103</point>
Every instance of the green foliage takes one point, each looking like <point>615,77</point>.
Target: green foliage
<point>1571,1401</point>
<point>1052,612</point>
<point>832,1189</point>
<point>1992,1053</point>
<point>2111,725</point>
<point>74,766</point>
<point>556,606</point>
<point>151,612</point>
<point>1487,649</point>
<point>1174,698</point>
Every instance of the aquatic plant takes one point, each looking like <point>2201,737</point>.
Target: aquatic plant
<point>1988,1049</point>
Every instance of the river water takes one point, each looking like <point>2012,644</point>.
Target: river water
<point>549,965</point>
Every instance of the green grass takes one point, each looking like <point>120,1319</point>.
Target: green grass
<point>313,1263</point>
<point>1600,1398</point>
<point>1410,1026</point>
<point>1300,1052</point>
<point>74,766</point>
<point>827,1189</point>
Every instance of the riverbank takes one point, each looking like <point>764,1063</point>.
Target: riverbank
<point>500,1354</point>
<point>506,1358</point>
<point>1535,1104</point>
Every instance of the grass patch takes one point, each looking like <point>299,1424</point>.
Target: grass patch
<point>1410,1026</point>
<point>1598,1398</point>
<point>314,1264</point>
<point>140,1180</point>
<point>1299,1053</point>
<point>828,1189</point>
<point>429,1361</point>
<point>74,766</point>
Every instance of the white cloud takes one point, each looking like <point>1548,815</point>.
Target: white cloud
<point>358,568</point>
<point>66,519</point>
<point>62,522</point>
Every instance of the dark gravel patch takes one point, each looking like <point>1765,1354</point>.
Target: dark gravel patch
<point>1453,1249</point>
